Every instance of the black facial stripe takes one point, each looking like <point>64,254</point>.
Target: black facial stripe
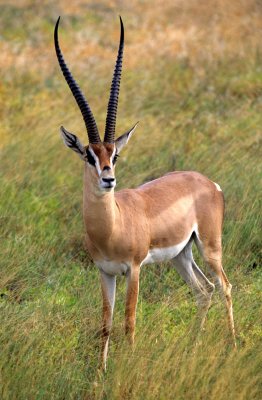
<point>115,158</point>
<point>90,158</point>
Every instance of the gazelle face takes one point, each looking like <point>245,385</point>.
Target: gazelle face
<point>101,159</point>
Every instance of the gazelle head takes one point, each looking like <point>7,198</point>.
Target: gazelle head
<point>100,156</point>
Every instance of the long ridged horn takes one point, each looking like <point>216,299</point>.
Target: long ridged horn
<point>114,92</point>
<point>88,117</point>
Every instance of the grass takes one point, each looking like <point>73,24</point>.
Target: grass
<point>193,79</point>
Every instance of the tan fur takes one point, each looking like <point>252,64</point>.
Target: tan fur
<point>122,227</point>
<point>103,151</point>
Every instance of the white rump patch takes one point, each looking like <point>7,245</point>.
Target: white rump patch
<point>217,186</point>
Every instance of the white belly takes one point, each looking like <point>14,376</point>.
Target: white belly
<point>165,253</point>
<point>112,267</point>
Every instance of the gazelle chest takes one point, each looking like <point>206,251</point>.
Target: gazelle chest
<point>113,267</point>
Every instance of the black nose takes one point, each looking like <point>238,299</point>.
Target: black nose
<point>106,168</point>
<point>108,180</point>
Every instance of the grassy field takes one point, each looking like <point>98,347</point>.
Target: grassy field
<point>193,77</point>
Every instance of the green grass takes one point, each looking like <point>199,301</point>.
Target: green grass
<point>203,116</point>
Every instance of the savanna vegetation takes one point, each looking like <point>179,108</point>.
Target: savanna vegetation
<point>193,77</point>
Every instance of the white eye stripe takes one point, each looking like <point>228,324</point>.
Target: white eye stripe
<point>112,157</point>
<point>96,160</point>
<point>99,171</point>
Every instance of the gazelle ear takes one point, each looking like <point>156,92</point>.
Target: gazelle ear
<point>123,139</point>
<point>72,141</point>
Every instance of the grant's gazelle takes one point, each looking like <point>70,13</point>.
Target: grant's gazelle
<point>155,222</point>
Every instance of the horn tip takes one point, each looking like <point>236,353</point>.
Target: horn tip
<point>121,22</point>
<point>57,22</point>
<point>56,25</point>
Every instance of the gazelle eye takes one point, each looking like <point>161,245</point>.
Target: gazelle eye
<point>115,158</point>
<point>90,158</point>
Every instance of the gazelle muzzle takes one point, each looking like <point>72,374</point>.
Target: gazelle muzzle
<point>108,183</point>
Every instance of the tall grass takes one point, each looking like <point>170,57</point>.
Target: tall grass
<point>193,77</point>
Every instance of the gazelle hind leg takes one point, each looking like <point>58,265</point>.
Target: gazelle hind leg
<point>194,277</point>
<point>226,293</point>
<point>212,256</point>
<point>206,289</point>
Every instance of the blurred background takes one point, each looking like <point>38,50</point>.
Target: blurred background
<point>192,76</point>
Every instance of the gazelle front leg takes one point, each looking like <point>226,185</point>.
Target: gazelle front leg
<point>131,301</point>
<point>108,285</point>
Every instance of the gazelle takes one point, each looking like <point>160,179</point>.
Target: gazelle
<point>155,222</point>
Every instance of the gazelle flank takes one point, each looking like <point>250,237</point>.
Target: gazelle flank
<point>155,222</point>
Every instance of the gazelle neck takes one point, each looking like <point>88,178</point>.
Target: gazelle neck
<point>99,209</point>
